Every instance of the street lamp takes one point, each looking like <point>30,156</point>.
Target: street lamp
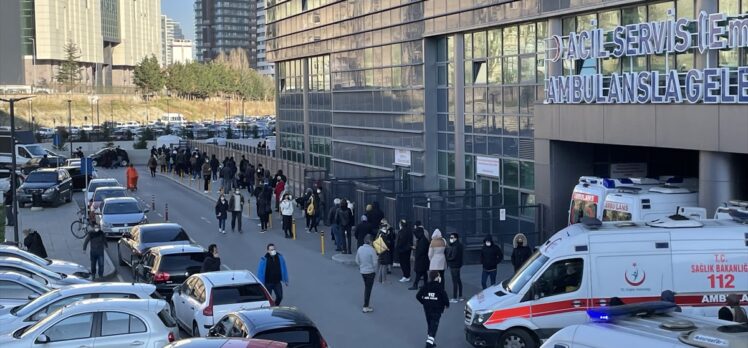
<point>14,209</point>
<point>33,63</point>
<point>70,126</point>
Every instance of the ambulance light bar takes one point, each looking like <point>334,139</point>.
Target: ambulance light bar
<point>610,313</point>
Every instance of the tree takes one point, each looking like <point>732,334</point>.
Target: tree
<point>69,72</point>
<point>148,76</point>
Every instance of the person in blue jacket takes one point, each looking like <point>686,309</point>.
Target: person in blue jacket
<point>272,271</point>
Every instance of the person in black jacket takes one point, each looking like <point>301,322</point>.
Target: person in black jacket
<point>434,300</point>
<point>211,263</point>
<point>375,215</point>
<point>362,229</point>
<point>521,252</point>
<point>454,254</point>
<point>490,257</point>
<point>344,219</point>
<point>222,213</point>
<point>98,244</point>
<point>264,207</point>
<point>34,244</point>
<point>404,247</point>
<point>421,265</point>
<point>214,167</point>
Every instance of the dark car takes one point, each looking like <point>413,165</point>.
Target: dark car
<point>215,342</point>
<point>79,179</point>
<point>51,185</point>
<point>109,156</point>
<point>282,324</point>
<point>34,163</point>
<point>143,237</point>
<point>169,266</point>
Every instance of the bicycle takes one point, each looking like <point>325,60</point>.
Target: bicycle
<point>78,227</point>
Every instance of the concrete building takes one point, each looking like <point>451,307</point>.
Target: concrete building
<point>502,98</point>
<point>181,51</point>
<point>221,26</point>
<point>167,38</point>
<point>112,36</point>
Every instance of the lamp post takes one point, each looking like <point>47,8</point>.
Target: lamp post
<point>70,126</point>
<point>33,63</point>
<point>14,208</point>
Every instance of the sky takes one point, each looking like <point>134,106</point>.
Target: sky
<point>181,11</point>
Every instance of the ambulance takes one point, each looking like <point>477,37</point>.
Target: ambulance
<point>646,204</point>
<point>591,191</point>
<point>654,324</point>
<point>586,264</point>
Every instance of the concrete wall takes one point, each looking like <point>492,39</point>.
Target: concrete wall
<point>12,68</point>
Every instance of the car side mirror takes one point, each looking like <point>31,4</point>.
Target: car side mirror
<point>42,339</point>
<point>33,297</point>
<point>146,211</point>
<point>212,332</point>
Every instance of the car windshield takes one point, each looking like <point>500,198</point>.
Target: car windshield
<point>31,307</point>
<point>240,293</point>
<point>42,177</point>
<point>100,195</point>
<point>52,316</point>
<point>36,150</point>
<point>177,263</point>
<point>528,270</point>
<point>293,335</point>
<point>121,208</point>
<point>94,185</point>
<point>163,235</point>
<point>581,208</point>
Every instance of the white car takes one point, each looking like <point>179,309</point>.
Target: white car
<point>43,275</point>
<point>17,289</point>
<point>203,298</point>
<point>100,323</point>
<point>59,266</point>
<point>96,183</point>
<point>17,317</point>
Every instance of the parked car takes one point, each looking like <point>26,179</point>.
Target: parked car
<point>110,155</point>
<point>96,183</point>
<point>215,342</point>
<point>107,322</point>
<point>42,275</point>
<point>284,324</point>
<point>5,175</point>
<point>79,179</point>
<point>99,196</point>
<point>168,266</point>
<point>53,185</point>
<point>204,297</point>
<point>35,163</point>
<point>119,215</point>
<point>17,289</point>
<point>38,309</point>
<point>59,266</point>
<point>143,237</point>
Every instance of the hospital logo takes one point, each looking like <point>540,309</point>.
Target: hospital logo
<point>634,275</point>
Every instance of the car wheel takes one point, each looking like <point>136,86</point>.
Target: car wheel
<point>119,257</point>
<point>517,338</point>
<point>94,163</point>
<point>195,330</point>
<point>123,163</point>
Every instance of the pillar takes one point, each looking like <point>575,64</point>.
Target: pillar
<point>717,179</point>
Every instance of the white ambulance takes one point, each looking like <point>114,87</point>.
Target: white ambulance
<point>646,204</point>
<point>591,192</point>
<point>644,325</point>
<point>586,264</point>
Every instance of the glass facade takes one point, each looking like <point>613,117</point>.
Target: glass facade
<point>222,25</point>
<point>290,110</point>
<point>110,20</point>
<point>27,27</point>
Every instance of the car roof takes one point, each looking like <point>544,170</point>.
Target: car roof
<point>115,304</point>
<point>263,319</point>
<point>45,170</point>
<point>17,261</point>
<point>157,227</point>
<point>10,275</point>
<point>103,180</point>
<point>215,342</point>
<point>110,188</point>
<point>178,249</point>
<point>94,288</point>
<point>231,277</point>
<point>120,200</point>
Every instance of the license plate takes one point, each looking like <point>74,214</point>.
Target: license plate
<point>125,230</point>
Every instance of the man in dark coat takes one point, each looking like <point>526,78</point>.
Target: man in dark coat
<point>345,221</point>
<point>34,244</point>
<point>490,257</point>
<point>521,252</point>
<point>421,264</point>
<point>404,247</point>
<point>454,254</point>
<point>98,242</point>
<point>211,263</point>
<point>434,300</point>
<point>375,215</point>
<point>362,229</point>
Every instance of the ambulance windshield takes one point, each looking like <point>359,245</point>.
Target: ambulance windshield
<point>615,215</point>
<point>581,208</point>
<point>528,270</point>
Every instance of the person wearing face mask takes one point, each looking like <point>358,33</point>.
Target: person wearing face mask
<point>236,205</point>
<point>490,257</point>
<point>286,209</point>
<point>205,171</point>
<point>272,272</point>
<point>211,263</point>
<point>421,264</point>
<point>521,251</point>
<point>222,208</point>
<point>454,261</point>
<point>434,300</point>
<point>437,257</point>
<point>404,248</point>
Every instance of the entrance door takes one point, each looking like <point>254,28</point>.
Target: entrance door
<point>489,192</point>
<point>402,174</point>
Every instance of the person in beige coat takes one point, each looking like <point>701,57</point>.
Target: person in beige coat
<point>437,258</point>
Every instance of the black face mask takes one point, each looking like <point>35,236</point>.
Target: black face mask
<point>519,244</point>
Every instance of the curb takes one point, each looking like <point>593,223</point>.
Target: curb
<point>346,259</point>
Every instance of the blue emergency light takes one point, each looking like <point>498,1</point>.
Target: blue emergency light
<point>626,181</point>
<point>609,183</point>
<point>610,313</point>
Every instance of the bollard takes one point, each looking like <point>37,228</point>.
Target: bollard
<point>153,202</point>
<point>293,228</point>
<point>322,241</point>
<point>166,212</point>
<point>270,221</point>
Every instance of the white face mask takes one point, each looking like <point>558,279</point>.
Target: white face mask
<point>452,240</point>
<point>319,191</point>
<point>272,252</point>
<point>488,243</point>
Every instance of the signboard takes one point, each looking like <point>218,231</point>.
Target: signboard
<point>584,197</point>
<point>87,166</point>
<point>628,170</point>
<point>487,166</point>
<point>502,214</point>
<point>709,32</point>
<point>402,157</point>
<point>617,206</point>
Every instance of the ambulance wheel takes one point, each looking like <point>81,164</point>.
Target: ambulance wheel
<point>517,338</point>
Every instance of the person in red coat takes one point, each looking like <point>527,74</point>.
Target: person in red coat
<point>280,186</point>
<point>132,178</point>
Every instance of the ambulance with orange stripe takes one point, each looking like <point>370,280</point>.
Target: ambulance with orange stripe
<point>586,264</point>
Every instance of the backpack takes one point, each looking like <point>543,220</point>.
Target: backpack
<point>380,245</point>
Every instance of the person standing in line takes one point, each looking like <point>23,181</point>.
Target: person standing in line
<point>286,210</point>
<point>33,243</point>
<point>236,205</point>
<point>226,178</point>
<point>490,257</point>
<point>404,247</point>
<point>272,272</point>
<point>98,244</point>
<point>437,258</point>
<point>345,222</point>
<point>335,231</point>
<point>732,311</point>
<point>454,254</point>
<point>308,211</point>
<point>152,164</point>
<point>366,259</point>
<point>386,255</point>
<point>280,186</point>
<point>421,264</point>
<point>521,252</point>
<point>264,209</point>
<point>162,161</point>
<point>212,262</point>
<point>214,164</point>
<point>249,178</point>
<point>206,175</point>
<point>362,230</point>
<point>434,300</point>
<point>222,208</point>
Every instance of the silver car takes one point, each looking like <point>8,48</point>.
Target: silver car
<point>107,322</point>
<point>17,289</point>
<point>96,183</point>
<point>59,266</point>
<point>119,215</point>
<point>48,278</point>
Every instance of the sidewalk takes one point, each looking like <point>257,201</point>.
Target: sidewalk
<point>53,224</point>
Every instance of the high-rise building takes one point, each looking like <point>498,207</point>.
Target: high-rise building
<point>170,31</point>
<point>221,26</point>
<point>181,51</point>
<point>112,37</point>
<point>263,66</point>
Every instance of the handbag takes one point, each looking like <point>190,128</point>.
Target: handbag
<point>379,245</point>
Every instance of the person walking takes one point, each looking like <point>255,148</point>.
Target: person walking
<point>236,206</point>
<point>272,272</point>
<point>345,222</point>
<point>363,229</point>
<point>249,178</point>
<point>454,254</point>
<point>421,264</point>
<point>33,243</point>
<point>152,164</point>
<point>264,209</point>
<point>132,178</point>
<point>214,164</point>
<point>206,170</point>
<point>403,248</point>
<point>521,252</point>
<point>286,210</point>
<point>490,257</point>
<point>437,257</point>
<point>98,244</point>
<point>309,209</point>
<point>434,300</point>
<point>226,178</point>
<point>387,237</point>
<point>162,161</point>
<point>366,259</point>
<point>212,262</point>
<point>732,311</point>
<point>222,208</point>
